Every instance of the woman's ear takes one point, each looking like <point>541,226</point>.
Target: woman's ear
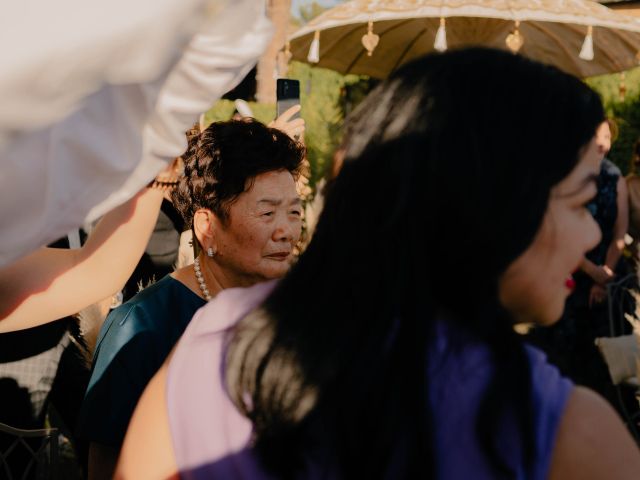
<point>204,222</point>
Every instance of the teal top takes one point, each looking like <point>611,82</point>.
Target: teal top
<point>134,342</point>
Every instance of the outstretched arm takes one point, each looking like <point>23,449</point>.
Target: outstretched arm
<point>52,283</point>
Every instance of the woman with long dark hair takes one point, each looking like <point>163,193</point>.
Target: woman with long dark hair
<point>389,350</point>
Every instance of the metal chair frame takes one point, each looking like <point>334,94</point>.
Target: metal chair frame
<point>48,443</point>
<point>615,290</point>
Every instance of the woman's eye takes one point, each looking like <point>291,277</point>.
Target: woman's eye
<point>295,212</point>
<point>267,214</point>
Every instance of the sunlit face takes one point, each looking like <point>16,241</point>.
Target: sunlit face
<point>262,228</point>
<point>534,287</point>
<point>603,138</point>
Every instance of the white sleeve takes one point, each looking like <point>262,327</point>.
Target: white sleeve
<point>117,139</point>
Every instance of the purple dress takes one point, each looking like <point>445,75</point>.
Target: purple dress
<point>211,439</point>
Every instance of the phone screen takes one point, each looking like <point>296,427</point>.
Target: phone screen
<point>287,95</point>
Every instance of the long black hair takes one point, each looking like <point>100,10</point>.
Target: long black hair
<point>448,169</point>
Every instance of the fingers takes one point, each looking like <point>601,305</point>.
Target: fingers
<point>172,171</point>
<point>294,128</point>
<point>287,114</point>
<point>596,296</point>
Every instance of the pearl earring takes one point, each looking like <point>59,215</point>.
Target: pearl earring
<point>210,252</point>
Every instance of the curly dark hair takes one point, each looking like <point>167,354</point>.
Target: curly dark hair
<point>222,161</point>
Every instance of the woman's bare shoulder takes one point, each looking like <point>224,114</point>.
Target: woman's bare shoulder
<point>147,452</point>
<point>592,442</point>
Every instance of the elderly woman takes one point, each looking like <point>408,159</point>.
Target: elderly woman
<point>239,195</point>
<point>369,360</point>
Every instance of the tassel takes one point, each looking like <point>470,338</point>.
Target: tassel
<point>441,37</point>
<point>586,53</point>
<point>515,40</point>
<point>370,40</point>
<point>314,50</point>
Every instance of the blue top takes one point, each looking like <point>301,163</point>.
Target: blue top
<point>212,439</point>
<point>460,370</point>
<point>134,342</point>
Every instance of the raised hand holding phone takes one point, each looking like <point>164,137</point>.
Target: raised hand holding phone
<point>288,107</point>
<point>290,123</point>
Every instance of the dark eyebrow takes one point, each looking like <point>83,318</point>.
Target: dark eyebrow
<point>275,202</point>
<point>588,180</point>
<point>270,201</point>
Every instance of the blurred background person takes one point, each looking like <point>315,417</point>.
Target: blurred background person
<point>633,188</point>
<point>46,335</point>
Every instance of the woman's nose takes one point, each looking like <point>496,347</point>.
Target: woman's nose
<point>283,231</point>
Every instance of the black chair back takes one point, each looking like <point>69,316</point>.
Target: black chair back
<point>28,454</point>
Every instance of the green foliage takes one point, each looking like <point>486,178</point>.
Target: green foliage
<point>325,97</point>
<point>223,110</point>
<point>627,116</point>
<point>625,112</point>
<point>220,112</point>
<point>608,86</point>
<point>320,97</point>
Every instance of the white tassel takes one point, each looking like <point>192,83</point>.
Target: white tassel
<point>441,37</point>
<point>314,50</point>
<point>586,53</point>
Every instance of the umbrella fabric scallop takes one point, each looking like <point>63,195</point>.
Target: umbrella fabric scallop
<point>553,31</point>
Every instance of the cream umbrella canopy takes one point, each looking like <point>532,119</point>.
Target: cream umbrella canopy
<point>373,38</point>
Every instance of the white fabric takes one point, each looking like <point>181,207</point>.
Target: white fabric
<point>74,239</point>
<point>620,354</point>
<point>118,137</point>
<point>54,54</point>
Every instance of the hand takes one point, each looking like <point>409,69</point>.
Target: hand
<point>172,172</point>
<point>168,178</point>
<point>602,274</point>
<point>597,294</point>
<point>294,128</point>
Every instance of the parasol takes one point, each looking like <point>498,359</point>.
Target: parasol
<point>370,37</point>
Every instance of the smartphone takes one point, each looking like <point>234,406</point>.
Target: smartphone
<point>287,95</point>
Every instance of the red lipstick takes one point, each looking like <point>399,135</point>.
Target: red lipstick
<point>570,283</point>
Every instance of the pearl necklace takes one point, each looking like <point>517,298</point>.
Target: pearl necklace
<point>200,279</point>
